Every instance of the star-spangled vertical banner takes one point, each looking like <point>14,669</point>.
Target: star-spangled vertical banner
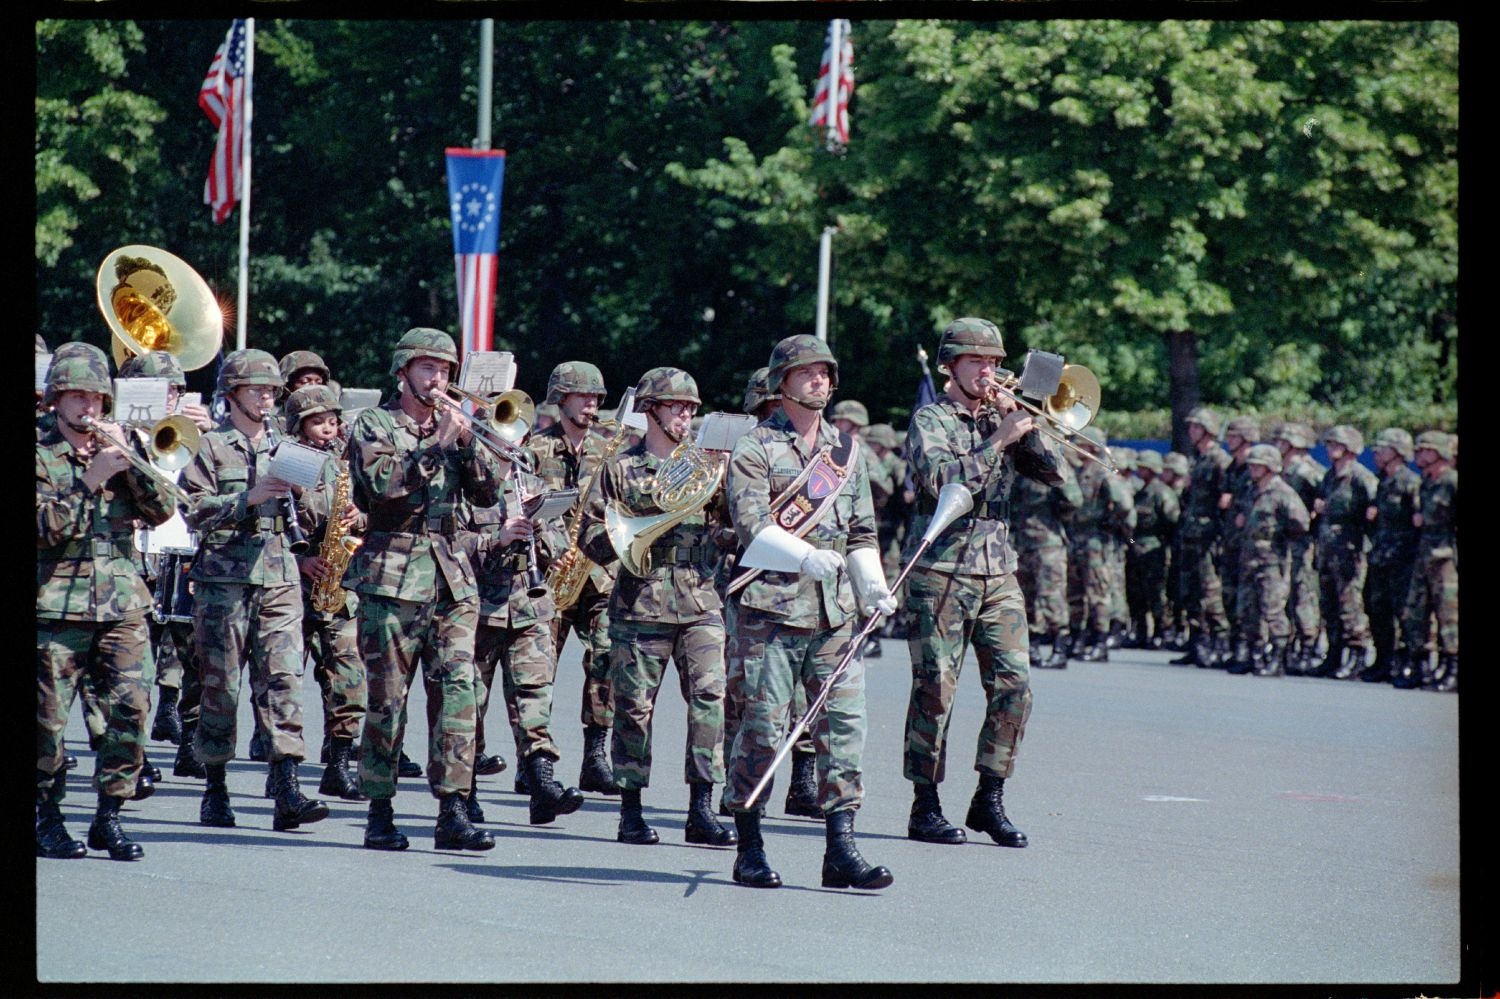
<point>475,179</point>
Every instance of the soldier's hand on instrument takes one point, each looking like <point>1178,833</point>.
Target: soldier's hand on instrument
<point>106,463</point>
<point>198,414</point>
<point>516,529</point>
<point>564,562</point>
<point>349,517</point>
<point>822,564</point>
<point>453,424</point>
<point>1017,424</point>
<point>313,567</point>
<point>267,488</point>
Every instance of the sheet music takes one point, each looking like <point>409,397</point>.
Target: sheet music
<point>626,416</point>
<point>190,399</point>
<point>488,372</point>
<point>298,464</point>
<point>352,400</point>
<point>43,362</point>
<point>550,504</point>
<point>140,400</point>
<point>720,430</point>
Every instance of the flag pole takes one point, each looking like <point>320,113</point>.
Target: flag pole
<point>836,46</point>
<point>486,81</point>
<point>825,267</point>
<point>242,308</point>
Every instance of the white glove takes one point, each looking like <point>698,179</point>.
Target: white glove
<point>822,564</point>
<point>869,582</point>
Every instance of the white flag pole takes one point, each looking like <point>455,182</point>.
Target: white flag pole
<point>836,46</point>
<point>242,308</point>
<point>825,266</point>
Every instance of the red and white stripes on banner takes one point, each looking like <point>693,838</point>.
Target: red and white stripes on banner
<point>837,68</point>
<point>222,98</point>
<point>476,298</point>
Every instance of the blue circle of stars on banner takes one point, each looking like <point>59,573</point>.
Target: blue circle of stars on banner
<point>474,207</point>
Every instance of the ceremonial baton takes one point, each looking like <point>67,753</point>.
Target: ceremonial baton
<point>953,502</point>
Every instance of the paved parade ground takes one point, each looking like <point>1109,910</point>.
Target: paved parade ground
<point>1185,825</point>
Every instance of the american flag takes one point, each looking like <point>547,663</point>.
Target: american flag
<point>222,98</point>
<point>475,179</point>
<point>836,98</point>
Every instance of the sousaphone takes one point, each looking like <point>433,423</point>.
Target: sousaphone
<point>152,300</point>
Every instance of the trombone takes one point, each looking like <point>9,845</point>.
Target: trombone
<point>1071,408</point>
<point>174,442</point>
<point>499,421</point>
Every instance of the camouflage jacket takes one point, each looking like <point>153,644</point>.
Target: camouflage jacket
<point>1242,493</point>
<point>1108,506</point>
<point>1200,508</point>
<point>314,507</point>
<point>561,468</point>
<point>685,560</point>
<point>765,462</point>
<point>412,491</point>
<point>1346,495</point>
<point>1393,538</point>
<point>87,568</point>
<point>1438,538</point>
<point>1276,517</point>
<point>1038,511</point>
<point>883,481</point>
<point>1156,516</point>
<point>1303,473</point>
<point>504,571</point>
<point>236,544</point>
<point>947,444</point>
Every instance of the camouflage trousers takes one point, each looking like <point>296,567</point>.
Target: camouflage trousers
<point>177,656</point>
<point>108,656</point>
<point>394,635</point>
<point>95,711</point>
<point>236,623</point>
<point>1385,601</point>
<point>1433,593</point>
<point>1202,592</point>
<point>1302,601</point>
<point>890,535</point>
<point>638,662</point>
<point>524,659</point>
<point>1229,580</point>
<point>776,660</point>
<point>1146,584</point>
<point>589,618</point>
<point>1341,594</point>
<point>332,640</point>
<point>1091,584</point>
<point>1262,595</point>
<point>734,689</point>
<point>1114,553</point>
<point>1043,575</point>
<point>1176,615</point>
<point>948,614</point>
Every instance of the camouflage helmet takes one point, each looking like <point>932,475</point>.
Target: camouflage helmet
<point>1207,419</point>
<point>41,345</point>
<point>250,367</point>
<point>1397,440</point>
<point>1298,435</point>
<point>1247,428</point>
<point>756,392</point>
<point>83,368</point>
<point>154,364</point>
<point>423,341</point>
<point>1265,454</point>
<point>970,336</point>
<point>1149,461</point>
<point>883,434</point>
<point>853,411</point>
<point>1093,435</point>
<point>1437,441</point>
<point>574,376</point>
<point>1124,458</point>
<point>1176,463</point>
<point>303,360</point>
<point>1345,435</point>
<point>794,352</point>
<point>309,400</point>
<point>665,385</point>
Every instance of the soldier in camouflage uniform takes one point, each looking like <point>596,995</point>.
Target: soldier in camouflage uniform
<point>1344,495</point>
<point>1098,532</point>
<point>88,497</point>
<point>1038,511</point>
<point>1433,592</point>
<point>964,592</point>
<point>1119,591</point>
<point>1202,589</point>
<point>1240,435</point>
<point>1174,474</point>
<point>413,461</point>
<point>850,416</point>
<point>566,455</point>
<point>303,367</point>
<point>672,612</point>
<point>1393,548</point>
<point>247,601</point>
<point>1304,474</point>
<point>1275,519</point>
<point>1156,515</point>
<point>793,628</point>
<point>888,494</point>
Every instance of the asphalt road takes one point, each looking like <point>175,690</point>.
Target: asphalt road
<point>1186,826</point>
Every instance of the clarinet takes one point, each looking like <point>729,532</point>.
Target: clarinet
<point>296,540</point>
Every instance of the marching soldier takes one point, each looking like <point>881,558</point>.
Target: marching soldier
<point>671,612</point>
<point>796,487</point>
<point>1156,516</point>
<point>1241,434</point>
<point>1174,473</point>
<point>1433,592</point>
<point>1038,511</point>
<point>1344,495</point>
<point>1202,590</point>
<point>88,497</point>
<point>1304,474</point>
<point>1393,548</point>
<point>964,590</point>
<point>566,454</point>
<point>1275,518</point>
<point>413,460</point>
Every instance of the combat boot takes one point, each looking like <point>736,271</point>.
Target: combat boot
<point>596,774</point>
<point>166,726</point>
<point>522,783</point>
<point>293,808</point>
<point>1447,674</point>
<point>1097,648</point>
<point>1059,657</point>
<point>259,752</point>
<point>1352,665</point>
<point>1191,650</point>
<point>702,827</point>
<point>472,808</point>
<point>380,828</point>
<point>750,865</point>
<point>633,828</point>
<point>339,780</point>
<point>52,839</point>
<point>802,795</point>
<point>724,808</point>
<point>1222,654</point>
<point>1035,651</point>
<point>214,809</point>
<point>408,768</point>
<point>145,785</point>
<point>454,831</point>
<point>486,765</point>
<point>927,824</point>
<point>1379,671</point>
<point>1241,663</point>
<point>1114,638</point>
<point>987,813</point>
<point>106,834</point>
<point>1404,674</point>
<point>1271,657</point>
<point>549,799</point>
<point>186,764</point>
<point>1331,660</point>
<point>843,867</point>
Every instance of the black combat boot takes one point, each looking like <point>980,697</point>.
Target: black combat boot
<point>1035,649</point>
<point>166,726</point>
<point>927,824</point>
<point>408,768</point>
<point>549,799</point>
<point>106,834</point>
<point>1446,679</point>
<point>1379,671</point>
<point>1271,657</point>
<point>487,766</point>
<point>802,795</point>
<point>70,762</point>
<point>595,774</point>
<point>1189,656</point>
<point>750,865</point>
<point>380,828</point>
<point>259,751</point>
<point>1114,638</point>
<point>633,828</point>
<point>1223,655</point>
<point>522,784</point>
<point>293,808</point>
<point>145,781</point>
<point>1404,674</point>
<point>215,810</point>
<point>843,867</point>
<point>1096,648</point>
<point>1352,665</point>
<point>987,813</point>
<point>1308,661</point>
<point>186,764</point>
<point>52,839</point>
<point>1059,657</point>
<point>702,827</point>
<point>1331,660</point>
<point>471,804</point>
<point>339,780</point>
<point>1242,662</point>
<point>454,831</point>
<point>724,809</point>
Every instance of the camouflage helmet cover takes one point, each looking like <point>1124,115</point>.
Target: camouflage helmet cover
<point>1397,440</point>
<point>665,384</point>
<point>756,392</point>
<point>84,368</point>
<point>1176,463</point>
<point>853,411</point>
<point>574,376</point>
<point>1207,419</point>
<point>303,360</point>
<point>250,367</point>
<point>424,341</point>
<point>1265,454</point>
<point>883,434</point>
<point>1435,440</point>
<point>1149,460</point>
<point>1124,458</point>
<point>970,335</point>
<point>309,400</point>
<point>794,352</point>
<point>1247,428</point>
<point>1345,435</point>
<point>154,364</point>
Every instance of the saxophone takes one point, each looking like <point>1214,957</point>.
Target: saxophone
<point>338,548</point>
<point>567,584</point>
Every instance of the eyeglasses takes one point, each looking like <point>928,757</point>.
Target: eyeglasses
<point>677,408</point>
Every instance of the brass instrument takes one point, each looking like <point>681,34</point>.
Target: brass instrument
<point>174,442</point>
<point>339,546</point>
<point>499,422</point>
<point>1071,408</point>
<point>152,300</point>
<point>684,483</point>
<point>565,576</point>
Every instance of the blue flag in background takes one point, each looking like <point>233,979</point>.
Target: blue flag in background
<point>475,177</point>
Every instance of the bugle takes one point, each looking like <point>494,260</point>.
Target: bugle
<point>1071,408</point>
<point>499,422</point>
<point>174,442</point>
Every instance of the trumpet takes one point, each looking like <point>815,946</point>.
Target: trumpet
<point>499,422</point>
<point>174,442</point>
<point>1071,408</point>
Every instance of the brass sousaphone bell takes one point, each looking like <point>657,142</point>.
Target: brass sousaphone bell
<point>152,300</point>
